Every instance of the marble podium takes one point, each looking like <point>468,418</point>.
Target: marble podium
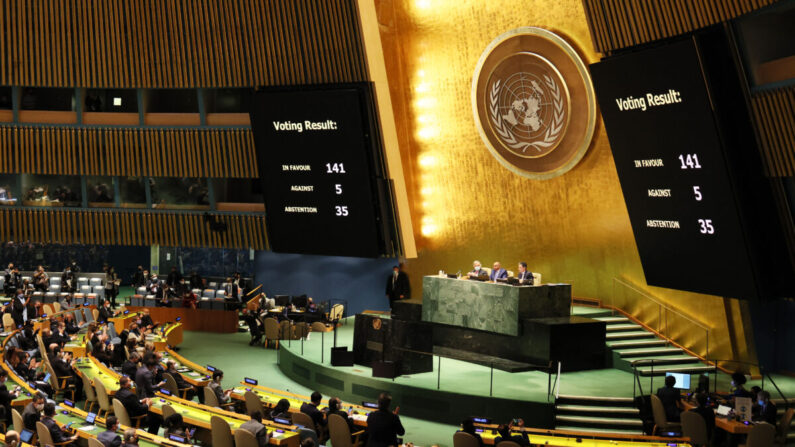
<point>491,307</point>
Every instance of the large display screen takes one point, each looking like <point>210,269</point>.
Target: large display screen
<point>673,171</point>
<point>318,159</point>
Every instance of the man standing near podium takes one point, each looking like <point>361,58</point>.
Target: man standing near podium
<point>397,285</point>
<point>497,272</point>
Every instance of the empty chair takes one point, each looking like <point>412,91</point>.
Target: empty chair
<point>208,293</point>
<point>91,298</point>
<point>8,323</point>
<point>94,442</point>
<point>660,420</point>
<point>168,411</point>
<point>695,428</point>
<point>536,279</point>
<point>784,425</point>
<point>103,399</point>
<point>340,433</point>
<point>336,312</point>
<point>45,438</point>
<point>285,330</point>
<point>47,309</point>
<point>761,435</point>
<point>220,293</point>
<point>253,402</point>
<point>95,314</point>
<point>244,438</point>
<point>85,288</point>
<point>51,297</point>
<point>141,290</point>
<point>171,384</point>
<point>55,280</point>
<point>91,395</point>
<point>56,306</point>
<point>82,281</point>
<point>59,384</point>
<point>221,433</point>
<point>317,326</point>
<point>304,419</point>
<point>213,285</point>
<point>16,419</point>
<point>79,299</point>
<point>300,330</point>
<point>99,290</point>
<point>210,398</point>
<point>463,439</point>
<point>271,331</point>
<point>95,282</point>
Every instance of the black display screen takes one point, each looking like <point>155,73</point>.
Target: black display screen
<point>316,158</point>
<point>673,171</point>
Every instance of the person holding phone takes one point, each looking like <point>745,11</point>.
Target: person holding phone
<point>506,433</point>
<point>335,407</point>
<point>59,435</point>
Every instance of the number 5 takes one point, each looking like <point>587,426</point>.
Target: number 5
<point>697,192</point>
<point>338,189</point>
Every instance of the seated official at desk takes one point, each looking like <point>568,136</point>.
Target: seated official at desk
<point>477,271</point>
<point>497,272</point>
<point>524,276</point>
<point>767,410</point>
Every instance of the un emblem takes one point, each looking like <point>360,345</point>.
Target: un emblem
<point>534,103</point>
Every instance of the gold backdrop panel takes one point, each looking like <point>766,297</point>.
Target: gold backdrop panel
<point>465,205</point>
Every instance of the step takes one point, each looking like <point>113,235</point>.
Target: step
<point>595,400</point>
<point>666,360</point>
<point>668,350</point>
<point>636,344</point>
<point>595,410</point>
<point>624,327</point>
<point>599,430</point>
<point>611,320</point>
<point>687,369</point>
<point>591,420</point>
<point>626,335</point>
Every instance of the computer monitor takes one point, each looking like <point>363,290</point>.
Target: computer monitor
<point>300,301</point>
<point>682,380</point>
<point>282,300</point>
<point>91,418</point>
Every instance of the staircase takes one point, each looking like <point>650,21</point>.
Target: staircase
<point>628,343</point>
<point>597,414</point>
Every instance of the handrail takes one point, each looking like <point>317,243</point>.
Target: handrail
<point>664,305</point>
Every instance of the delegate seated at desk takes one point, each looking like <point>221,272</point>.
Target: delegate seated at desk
<point>524,276</point>
<point>477,271</point>
<point>497,272</point>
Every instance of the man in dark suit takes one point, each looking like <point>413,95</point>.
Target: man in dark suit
<point>32,412</point>
<point>109,438</point>
<point>477,271</point>
<point>137,407</point>
<point>397,285</point>
<point>524,276</point>
<point>130,366</point>
<point>311,409</point>
<point>6,396</point>
<point>671,399</point>
<point>144,378</point>
<point>497,272</point>
<point>68,280</point>
<point>171,368</point>
<point>767,410</point>
<point>57,433</point>
<point>105,312</point>
<point>62,365</point>
<point>383,426</point>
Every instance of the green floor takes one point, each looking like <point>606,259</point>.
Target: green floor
<point>238,360</point>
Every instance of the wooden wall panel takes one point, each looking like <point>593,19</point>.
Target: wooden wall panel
<point>147,228</point>
<point>179,43</point>
<point>620,24</point>
<point>227,153</point>
<point>774,113</point>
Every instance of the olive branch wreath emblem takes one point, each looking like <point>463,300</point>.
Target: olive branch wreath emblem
<point>502,129</point>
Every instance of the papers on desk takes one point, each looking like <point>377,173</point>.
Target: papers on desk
<point>87,428</point>
<point>194,374</point>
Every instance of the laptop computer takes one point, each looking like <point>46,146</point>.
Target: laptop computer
<point>90,419</point>
<point>25,436</point>
<point>723,410</point>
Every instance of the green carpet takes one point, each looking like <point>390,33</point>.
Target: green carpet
<point>231,353</point>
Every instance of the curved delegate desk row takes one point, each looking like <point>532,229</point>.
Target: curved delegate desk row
<point>565,438</point>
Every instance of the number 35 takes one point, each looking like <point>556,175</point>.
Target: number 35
<point>706,226</point>
<point>341,210</point>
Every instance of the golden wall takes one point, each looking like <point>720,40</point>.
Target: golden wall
<point>466,206</point>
